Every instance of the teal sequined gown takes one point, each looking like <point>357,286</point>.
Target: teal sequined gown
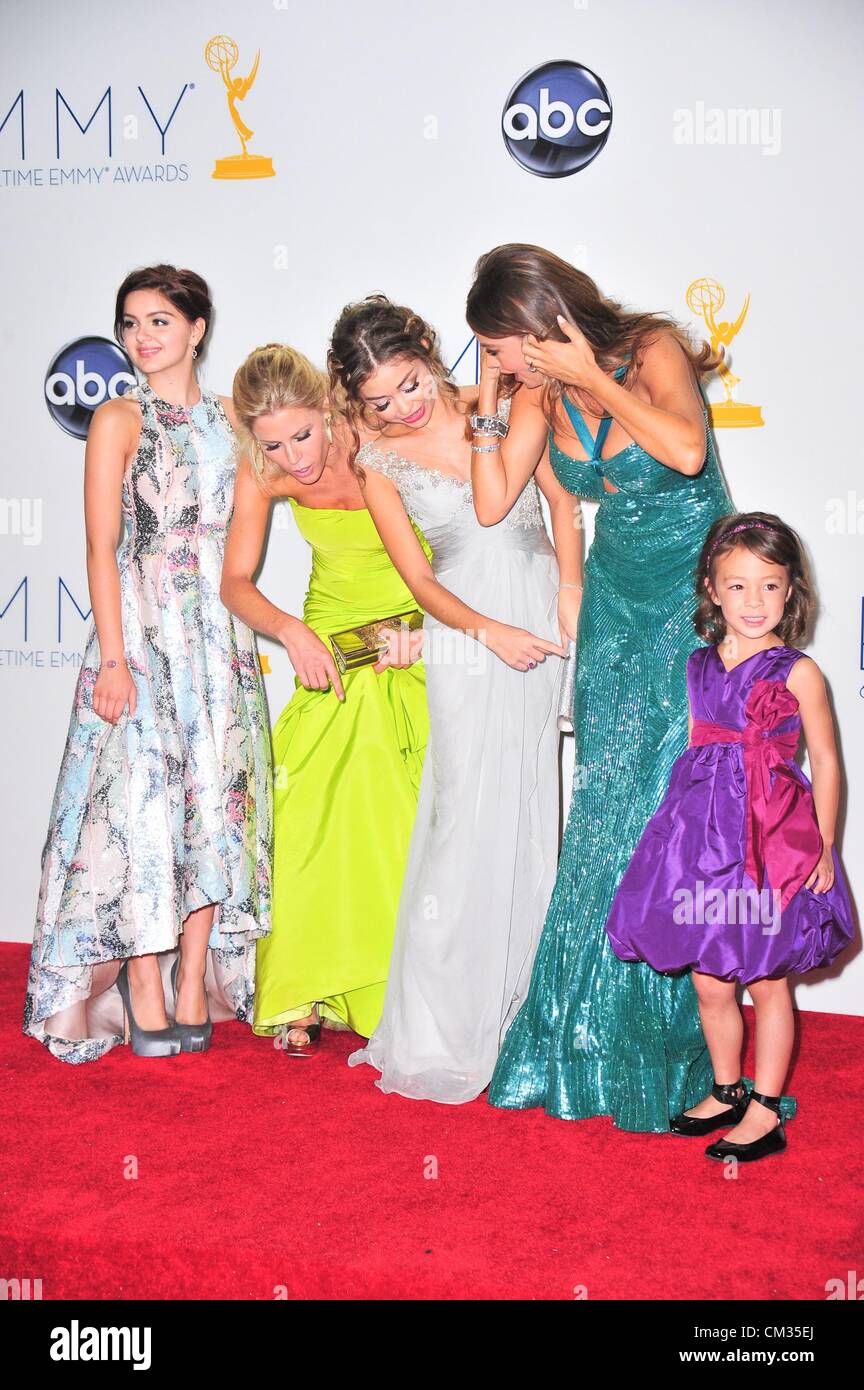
<point>596,1035</point>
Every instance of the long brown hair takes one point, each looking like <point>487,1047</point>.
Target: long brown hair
<point>772,540</point>
<point>369,334</point>
<point>186,290</point>
<point>521,289</point>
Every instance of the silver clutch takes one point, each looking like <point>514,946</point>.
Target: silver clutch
<point>567,690</point>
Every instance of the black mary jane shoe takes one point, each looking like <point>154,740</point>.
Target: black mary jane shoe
<point>774,1142</point>
<point>694,1126</point>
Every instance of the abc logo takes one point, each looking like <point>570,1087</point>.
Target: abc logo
<point>556,119</point>
<point>83,375</point>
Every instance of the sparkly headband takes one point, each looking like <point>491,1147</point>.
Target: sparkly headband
<point>745,526</point>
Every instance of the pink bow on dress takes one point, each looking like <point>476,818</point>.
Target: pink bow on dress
<point>782,832</point>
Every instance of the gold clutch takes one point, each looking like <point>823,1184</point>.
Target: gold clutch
<point>363,645</point>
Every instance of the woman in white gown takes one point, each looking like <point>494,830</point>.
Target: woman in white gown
<point>483,853</point>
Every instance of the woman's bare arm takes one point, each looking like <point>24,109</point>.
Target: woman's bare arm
<point>111,440</point>
<point>671,427</point>
<point>311,659</point>
<point>243,551</point>
<point>567,522</point>
<point>499,475</point>
<point>807,684</point>
<point>567,534</point>
<point>515,646</point>
<point>409,558</point>
<point>109,443</point>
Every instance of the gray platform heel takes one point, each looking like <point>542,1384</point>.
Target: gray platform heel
<point>194,1037</point>
<point>154,1042</point>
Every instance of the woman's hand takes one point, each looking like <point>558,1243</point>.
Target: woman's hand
<point>490,374</point>
<point>822,877</point>
<point>569,604</point>
<point>403,648</point>
<point>311,659</point>
<point>113,691</point>
<point>572,362</point>
<point>520,649</point>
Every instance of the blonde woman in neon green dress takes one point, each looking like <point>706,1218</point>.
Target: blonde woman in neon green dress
<point>347,750</point>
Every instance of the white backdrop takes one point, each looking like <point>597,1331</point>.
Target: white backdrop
<point>383,122</point>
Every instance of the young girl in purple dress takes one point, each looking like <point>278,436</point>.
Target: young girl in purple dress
<point>735,876</point>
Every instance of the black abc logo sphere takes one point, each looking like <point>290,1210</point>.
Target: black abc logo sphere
<point>81,376</point>
<point>556,119</point>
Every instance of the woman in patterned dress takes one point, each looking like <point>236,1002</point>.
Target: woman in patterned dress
<point>159,835</point>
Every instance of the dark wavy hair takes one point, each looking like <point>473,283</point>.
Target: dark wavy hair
<point>369,334</point>
<point>521,289</point>
<point>188,292</point>
<point>773,541</point>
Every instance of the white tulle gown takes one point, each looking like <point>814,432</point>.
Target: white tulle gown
<point>483,853</point>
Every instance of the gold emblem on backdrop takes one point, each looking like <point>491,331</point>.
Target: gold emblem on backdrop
<point>266,668</point>
<point>222,55</point>
<point>706,298</point>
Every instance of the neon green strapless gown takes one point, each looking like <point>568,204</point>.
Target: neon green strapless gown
<point>346,778</point>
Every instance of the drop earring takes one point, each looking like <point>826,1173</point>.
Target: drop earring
<point>194,352</point>
<point>327,429</point>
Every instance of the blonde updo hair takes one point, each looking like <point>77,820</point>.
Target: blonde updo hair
<point>273,377</point>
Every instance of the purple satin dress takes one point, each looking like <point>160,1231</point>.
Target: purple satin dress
<point>716,881</point>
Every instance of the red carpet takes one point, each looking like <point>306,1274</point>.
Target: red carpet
<point>256,1171</point>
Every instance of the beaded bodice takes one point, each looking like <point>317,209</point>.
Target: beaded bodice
<point>433,498</point>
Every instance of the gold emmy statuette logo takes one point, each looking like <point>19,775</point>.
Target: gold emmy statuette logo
<point>266,668</point>
<point>222,54</point>
<point>705,297</point>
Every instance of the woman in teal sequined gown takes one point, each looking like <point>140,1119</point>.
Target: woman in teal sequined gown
<point>595,1035</point>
